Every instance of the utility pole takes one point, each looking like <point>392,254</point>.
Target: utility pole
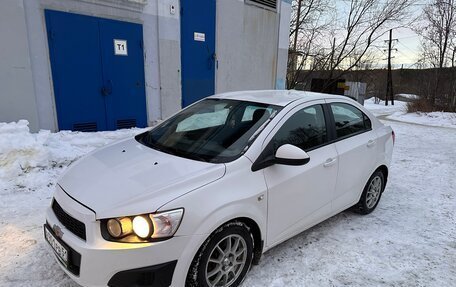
<point>389,80</point>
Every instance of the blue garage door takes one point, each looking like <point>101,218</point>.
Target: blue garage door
<point>197,49</point>
<point>98,72</point>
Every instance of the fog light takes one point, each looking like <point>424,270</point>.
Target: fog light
<point>119,227</point>
<point>114,228</point>
<point>142,227</point>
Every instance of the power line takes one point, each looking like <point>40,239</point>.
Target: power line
<point>408,37</point>
<point>402,44</point>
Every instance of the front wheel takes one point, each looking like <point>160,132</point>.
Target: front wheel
<point>224,259</point>
<point>371,194</point>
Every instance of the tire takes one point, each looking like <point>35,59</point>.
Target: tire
<point>371,194</point>
<point>216,264</point>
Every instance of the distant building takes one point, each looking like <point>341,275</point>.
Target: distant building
<point>354,90</point>
<point>106,64</point>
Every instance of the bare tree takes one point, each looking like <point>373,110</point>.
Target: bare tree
<point>438,39</point>
<point>437,31</point>
<point>310,19</point>
<point>345,42</point>
<point>366,22</point>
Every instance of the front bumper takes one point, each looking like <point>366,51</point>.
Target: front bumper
<point>105,263</point>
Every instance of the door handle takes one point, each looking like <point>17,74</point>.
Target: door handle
<point>370,143</point>
<point>329,162</point>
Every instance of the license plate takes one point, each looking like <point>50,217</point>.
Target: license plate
<point>60,250</point>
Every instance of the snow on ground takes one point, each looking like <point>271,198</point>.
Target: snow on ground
<point>409,240</point>
<point>398,112</point>
<point>438,119</point>
<point>381,110</point>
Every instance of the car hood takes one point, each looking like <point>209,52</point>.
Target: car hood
<point>128,178</point>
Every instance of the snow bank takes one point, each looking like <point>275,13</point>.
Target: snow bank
<point>21,151</point>
<point>438,119</point>
<point>398,112</point>
<point>380,109</point>
<point>407,96</point>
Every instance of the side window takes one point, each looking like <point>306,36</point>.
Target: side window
<point>349,120</point>
<point>305,129</point>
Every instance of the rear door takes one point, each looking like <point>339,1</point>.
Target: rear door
<point>300,196</point>
<point>356,146</point>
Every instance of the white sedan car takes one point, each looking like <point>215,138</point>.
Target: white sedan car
<point>196,200</point>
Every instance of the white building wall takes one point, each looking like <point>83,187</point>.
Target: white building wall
<point>17,97</point>
<point>170,61</point>
<point>246,46</point>
<point>282,52</point>
<point>250,52</point>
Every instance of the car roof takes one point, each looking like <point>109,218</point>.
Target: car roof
<point>274,97</point>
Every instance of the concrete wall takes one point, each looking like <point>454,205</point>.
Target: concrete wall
<point>251,55</point>
<point>246,46</point>
<point>17,97</point>
<point>282,52</point>
<point>170,61</point>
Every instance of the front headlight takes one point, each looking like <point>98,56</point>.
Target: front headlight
<point>142,228</point>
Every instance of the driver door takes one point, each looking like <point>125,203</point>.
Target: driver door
<point>300,196</point>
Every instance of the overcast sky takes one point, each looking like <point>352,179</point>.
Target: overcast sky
<point>407,44</point>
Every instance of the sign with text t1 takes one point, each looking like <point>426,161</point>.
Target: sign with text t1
<point>120,47</point>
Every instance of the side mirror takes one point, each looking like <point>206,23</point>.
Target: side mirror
<point>286,154</point>
<point>291,155</point>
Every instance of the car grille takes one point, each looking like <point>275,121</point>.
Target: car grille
<point>72,224</point>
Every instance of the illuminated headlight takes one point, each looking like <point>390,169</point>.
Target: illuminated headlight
<point>142,228</point>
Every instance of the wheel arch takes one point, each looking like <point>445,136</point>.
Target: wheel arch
<point>255,231</point>
<point>384,169</point>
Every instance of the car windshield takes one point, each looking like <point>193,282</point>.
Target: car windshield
<point>213,130</point>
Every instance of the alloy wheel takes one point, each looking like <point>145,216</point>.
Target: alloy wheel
<point>226,261</point>
<point>373,192</point>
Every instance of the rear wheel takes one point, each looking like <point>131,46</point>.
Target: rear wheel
<point>371,194</point>
<point>224,259</point>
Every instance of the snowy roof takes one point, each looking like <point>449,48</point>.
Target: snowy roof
<point>273,97</point>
